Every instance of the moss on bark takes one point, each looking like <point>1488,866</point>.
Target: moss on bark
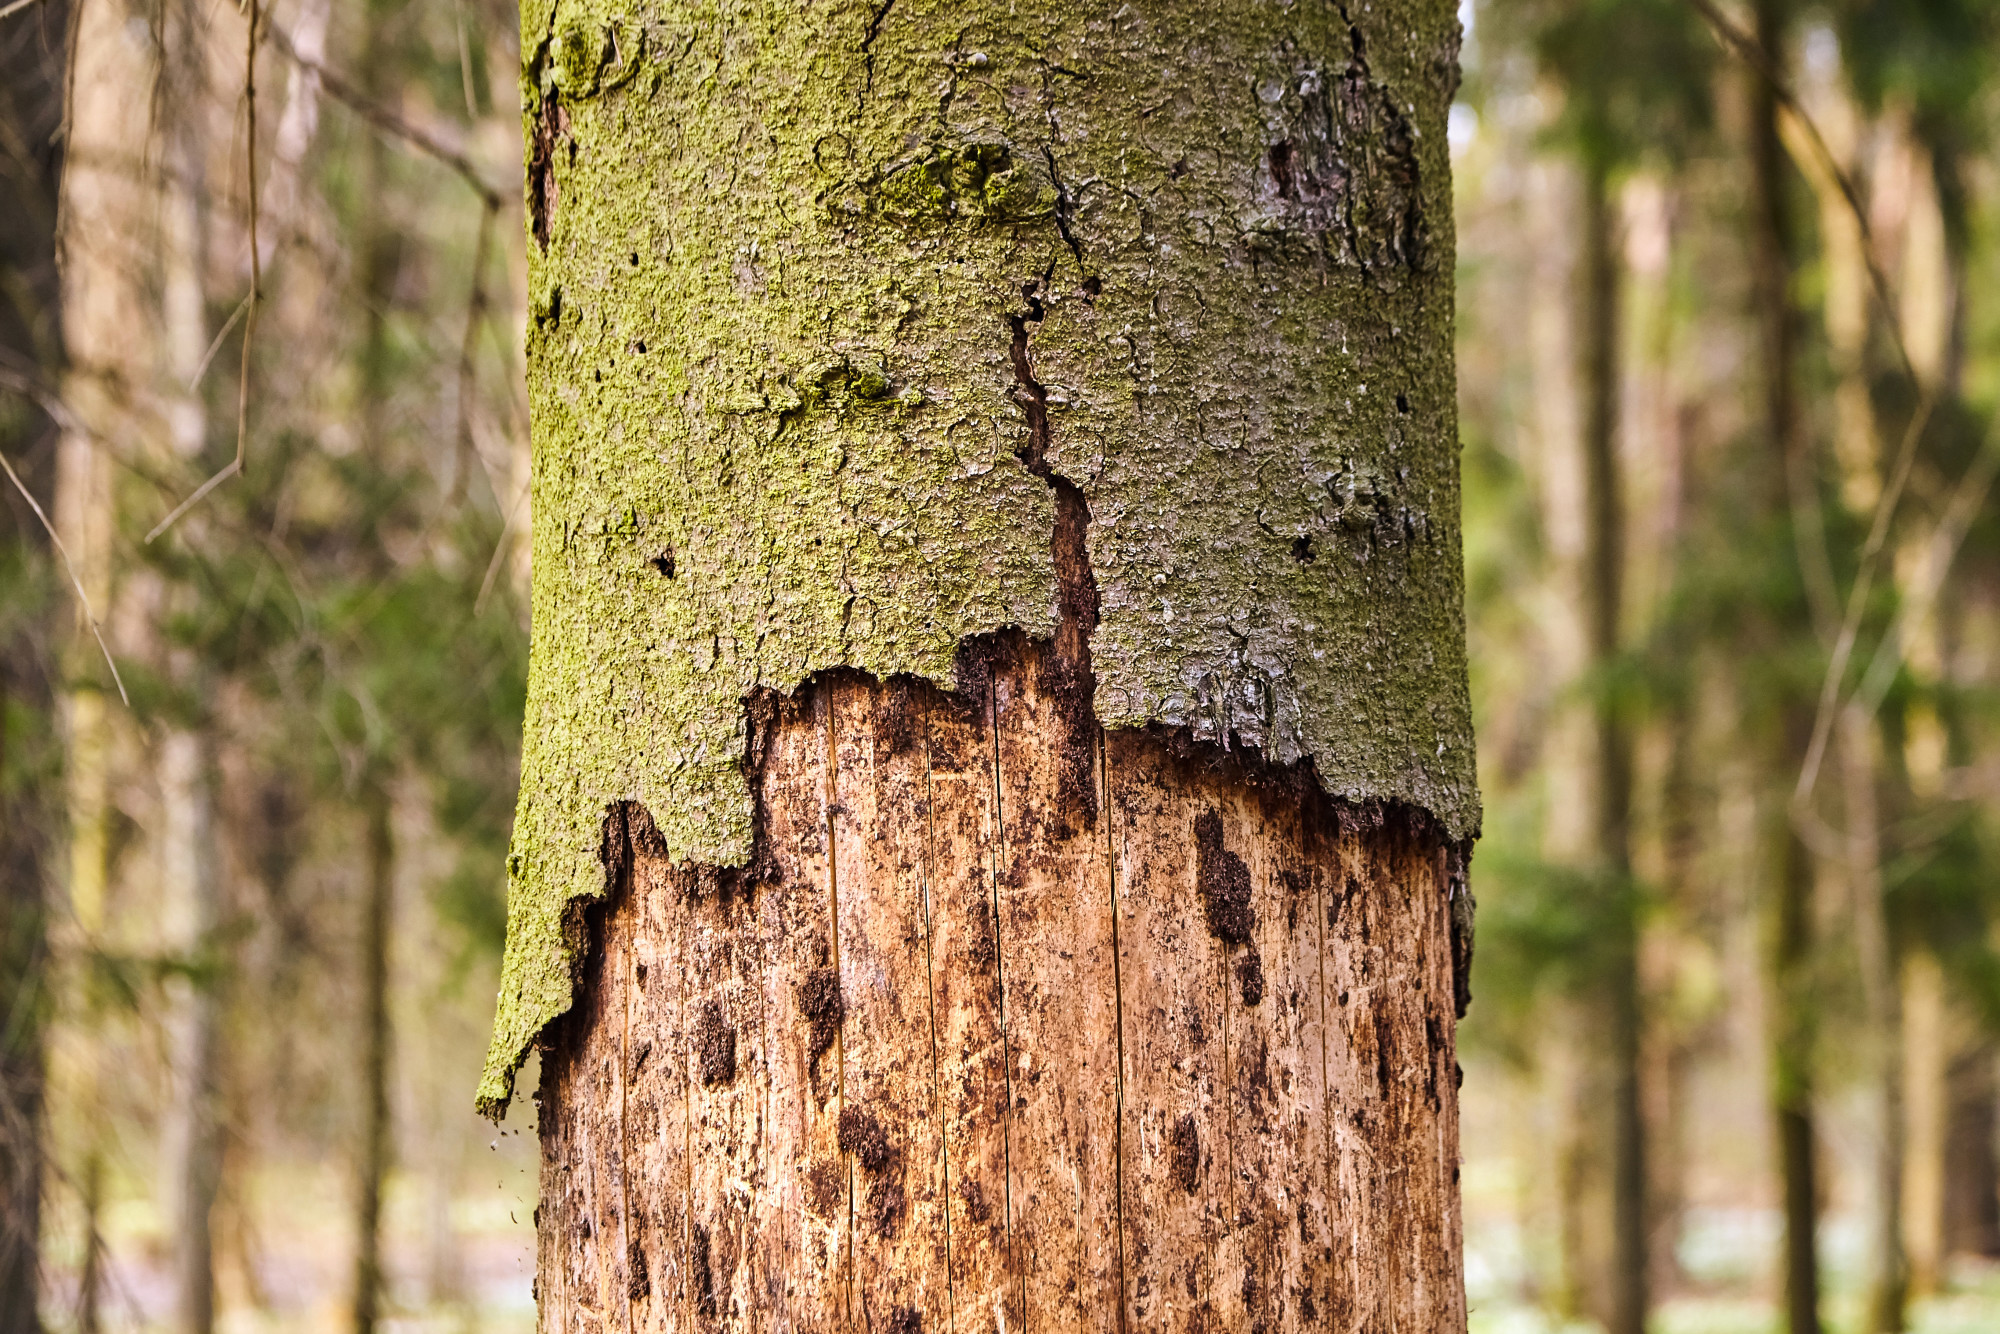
<point>778,258</point>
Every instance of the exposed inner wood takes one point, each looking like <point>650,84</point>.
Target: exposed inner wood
<point>951,1056</point>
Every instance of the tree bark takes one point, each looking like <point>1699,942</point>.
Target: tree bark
<point>941,1062</point>
<point>999,669</point>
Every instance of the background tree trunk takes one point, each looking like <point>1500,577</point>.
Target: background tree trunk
<point>1774,244</point>
<point>1611,769</point>
<point>31,341</point>
<point>191,907</point>
<point>371,1161</point>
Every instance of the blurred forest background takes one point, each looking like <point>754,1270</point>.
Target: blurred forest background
<point>1730,367</point>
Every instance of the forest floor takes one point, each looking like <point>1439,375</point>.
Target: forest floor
<point>467,1263</point>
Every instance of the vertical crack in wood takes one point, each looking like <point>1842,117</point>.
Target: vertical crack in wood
<point>690,1299</point>
<point>930,1001</point>
<point>1000,991</point>
<point>1104,806</point>
<point>831,800</point>
<point>624,1057</point>
<point>1327,1110</point>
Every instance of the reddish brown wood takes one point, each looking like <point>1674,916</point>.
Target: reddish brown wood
<point>962,1050</point>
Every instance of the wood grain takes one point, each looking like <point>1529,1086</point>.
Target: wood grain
<point>965,1049</point>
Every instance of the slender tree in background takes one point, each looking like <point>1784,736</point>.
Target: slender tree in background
<point>190,885</point>
<point>1635,81</point>
<point>999,668</point>
<point>1922,71</point>
<point>30,355</point>
<point>106,206</point>
<point>1774,246</point>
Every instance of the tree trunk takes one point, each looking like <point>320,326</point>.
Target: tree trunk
<point>1604,561</point>
<point>1971,1203</point>
<point>108,203</point>
<point>191,1139</point>
<point>999,669</point>
<point>31,100</point>
<point>1889,1280</point>
<point>191,906</point>
<point>1774,248</point>
<point>371,1164</point>
<point>1925,1117</point>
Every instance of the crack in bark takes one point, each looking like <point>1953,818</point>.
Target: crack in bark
<point>1067,674</point>
<point>868,42</point>
<point>1065,210</point>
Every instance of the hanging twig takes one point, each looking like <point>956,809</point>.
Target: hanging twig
<point>340,90</point>
<point>1857,600</point>
<point>1752,53</point>
<point>8,11</point>
<point>215,344</point>
<point>1966,499</point>
<point>235,466</point>
<point>82,597</point>
<point>475,310</point>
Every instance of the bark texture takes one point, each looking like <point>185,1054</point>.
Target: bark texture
<point>839,311</point>
<point>969,1046</point>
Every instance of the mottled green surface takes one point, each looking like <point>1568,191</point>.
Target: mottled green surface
<point>769,351</point>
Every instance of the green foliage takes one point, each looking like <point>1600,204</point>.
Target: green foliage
<point>1635,75</point>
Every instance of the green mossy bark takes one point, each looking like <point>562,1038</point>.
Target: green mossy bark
<point>775,254</point>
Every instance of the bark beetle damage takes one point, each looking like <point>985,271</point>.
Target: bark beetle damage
<point>1456,860</point>
<point>715,1046</point>
<point>638,1282</point>
<point>1349,168</point>
<point>1184,1154</point>
<point>1221,878</point>
<point>1067,675</point>
<point>862,1138</point>
<point>700,1276</point>
<point>551,133</point>
<point>1250,977</point>
<point>820,1003</point>
<point>1223,882</point>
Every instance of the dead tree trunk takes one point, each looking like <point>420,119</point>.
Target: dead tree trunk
<point>999,670</point>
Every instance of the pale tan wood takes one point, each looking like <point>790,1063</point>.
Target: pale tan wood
<point>889,1130</point>
<point>1173,1053</point>
<point>961,844</point>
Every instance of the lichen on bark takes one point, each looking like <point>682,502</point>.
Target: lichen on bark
<point>780,257</point>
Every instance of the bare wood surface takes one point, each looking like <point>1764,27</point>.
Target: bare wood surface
<point>967,1049</point>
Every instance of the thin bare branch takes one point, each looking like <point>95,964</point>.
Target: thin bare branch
<point>1857,600</point>
<point>340,90</point>
<point>215,344</point>
<point>83,598</point>
<point>8,11</point>
<point>475,310</point>
<point>1966,499</point>
<point>1752,53</point>
<point>234,467</point>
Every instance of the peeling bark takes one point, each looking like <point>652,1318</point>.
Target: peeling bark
<point>861,332</point>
